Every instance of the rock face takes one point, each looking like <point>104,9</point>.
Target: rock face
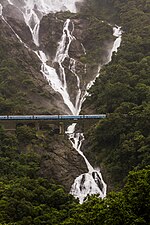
<point>62,163</point>
<point>16,20</point>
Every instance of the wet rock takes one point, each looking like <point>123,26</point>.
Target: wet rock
<point>62,163</point>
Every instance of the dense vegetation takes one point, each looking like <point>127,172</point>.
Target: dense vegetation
<point>28,198</point>
<point>14,77</point>
<point>122,141</point>
<point>130,206</point>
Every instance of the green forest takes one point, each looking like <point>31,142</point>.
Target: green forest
<point>120,144</point>
<point>26,197</point>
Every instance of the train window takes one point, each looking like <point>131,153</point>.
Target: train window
<point>3,117</point>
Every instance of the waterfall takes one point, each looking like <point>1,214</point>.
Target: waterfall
<point>87,183</point>
<point>33,11</point>
<point>117,32</point>
<point>1,10</point>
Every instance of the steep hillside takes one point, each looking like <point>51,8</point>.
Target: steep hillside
<point>121,142</point>
<point>23,89</point>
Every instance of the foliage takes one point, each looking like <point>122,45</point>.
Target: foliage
<point>121,142</point>
<point>19,76</point>
<point>28,198</point>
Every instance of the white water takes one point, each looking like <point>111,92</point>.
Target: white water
<point>53,79</point>
<point>33,10</point>
<point>1,10</point>
<point>117,32</point>
<point>87,183</point>
<point>58,81</point>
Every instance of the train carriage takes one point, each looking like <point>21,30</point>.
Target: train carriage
<point>21,117</point>
<point>46,117</point>
<point>95,116</point>
<point>70,117</point>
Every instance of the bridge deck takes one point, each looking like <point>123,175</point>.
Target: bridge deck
<point>51,117</point>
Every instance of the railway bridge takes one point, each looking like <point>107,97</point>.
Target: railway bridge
<point>58,123</point>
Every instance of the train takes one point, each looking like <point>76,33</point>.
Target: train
<point>52,117</point>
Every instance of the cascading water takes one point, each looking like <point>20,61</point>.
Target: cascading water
<point>58,81</point>
<point>33,11</point>
<point>87,183</point>
<point>117,32</point>
<point>1,10</point>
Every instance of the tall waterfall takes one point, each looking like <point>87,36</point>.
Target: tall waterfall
<point>33,11</point>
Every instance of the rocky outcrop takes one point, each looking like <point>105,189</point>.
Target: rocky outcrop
<point>50,34</point>
<point>61,162</point>
<point>15,18</point>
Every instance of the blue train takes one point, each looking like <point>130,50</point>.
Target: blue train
<point>52,117</point>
